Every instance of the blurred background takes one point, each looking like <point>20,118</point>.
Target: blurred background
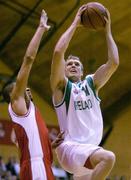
<point>18,22</point>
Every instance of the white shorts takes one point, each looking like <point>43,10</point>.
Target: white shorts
<point>72,157</point>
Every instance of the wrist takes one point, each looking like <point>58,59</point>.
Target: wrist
<point>108,33</point>
<point>42,26</point>
<point>74,24</point>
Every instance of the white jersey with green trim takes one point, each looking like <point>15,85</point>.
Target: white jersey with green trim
<point>79,113</point>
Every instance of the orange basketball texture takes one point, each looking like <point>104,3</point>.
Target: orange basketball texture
<point>93,16</point>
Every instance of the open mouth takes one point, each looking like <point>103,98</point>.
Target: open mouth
<point>73,71</point>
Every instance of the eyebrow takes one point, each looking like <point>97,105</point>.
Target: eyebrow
<point>76,62</point>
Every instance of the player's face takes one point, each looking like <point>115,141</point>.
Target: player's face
<point>28,94</point>
<point>73,70</point>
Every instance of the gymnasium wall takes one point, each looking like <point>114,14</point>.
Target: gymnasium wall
<point>119,142</point>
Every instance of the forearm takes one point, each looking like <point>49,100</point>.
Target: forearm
<point>113,56</point>
<point>65,39</point>
<point>34,43</point>
<point>23,74</point>
<point>58,61</point>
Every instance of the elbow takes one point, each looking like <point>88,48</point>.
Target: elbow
<point>29,59</point>
<point>57,54</point>
<point>58,50</point>
<point>115,63</point>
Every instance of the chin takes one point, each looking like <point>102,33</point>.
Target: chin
<point>73,79</point>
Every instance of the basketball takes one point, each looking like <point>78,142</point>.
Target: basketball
<point>93,16</point>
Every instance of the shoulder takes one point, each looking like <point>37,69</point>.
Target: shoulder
<point>90,79</point>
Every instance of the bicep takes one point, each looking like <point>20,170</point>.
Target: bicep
<point>19,106</point>
<point>57,71</point>
<point>22,78</point>
<point>103,74</point>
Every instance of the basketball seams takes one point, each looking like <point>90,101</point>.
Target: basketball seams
<point>93,16</point>
<point>85,19</point>
<point>90,19</point>
<point>98,14</point>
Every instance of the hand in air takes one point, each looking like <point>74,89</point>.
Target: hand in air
<point>77,19</point>
<point>108,22</point>
<point>43,20</point>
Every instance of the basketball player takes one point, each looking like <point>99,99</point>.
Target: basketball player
<point>78,107</point>
<point>29,127</point>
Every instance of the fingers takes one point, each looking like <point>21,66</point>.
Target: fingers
<point>60,137</point>
<point>108,22</point>
<point>58,140</point>
<point>43,20</point>
<point>60,134</point>
<point>107,11</point>
<point>107,16</point>
<point>48,27</point>
<point>43,12</point>
<point>55,145</point>
<point>82,8</point>
<point>44,15</point>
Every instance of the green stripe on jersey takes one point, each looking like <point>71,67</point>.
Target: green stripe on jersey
<point>67,95</point>
<point>91,84</point>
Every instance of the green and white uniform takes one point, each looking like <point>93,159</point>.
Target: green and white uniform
<point>79,116</point>
<point>79,113</point>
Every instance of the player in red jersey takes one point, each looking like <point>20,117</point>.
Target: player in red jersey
<point>29,127</point>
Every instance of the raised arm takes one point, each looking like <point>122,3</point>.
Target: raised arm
<point>18,93</point>
<point>58,63</point>
<point>104,72</point>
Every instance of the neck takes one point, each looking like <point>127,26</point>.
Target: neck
<point>74,80</point>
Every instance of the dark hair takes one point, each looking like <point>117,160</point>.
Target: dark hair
<point>7,89</point>
<point>77,58</point>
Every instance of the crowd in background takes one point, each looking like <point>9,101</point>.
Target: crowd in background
<point>11,169</point>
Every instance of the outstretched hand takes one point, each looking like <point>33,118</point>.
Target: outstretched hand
<point>59,139</point>
<point>43,20</point>
<point>77,19</point>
